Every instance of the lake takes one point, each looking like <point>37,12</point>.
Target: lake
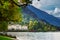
<point>36,35</point>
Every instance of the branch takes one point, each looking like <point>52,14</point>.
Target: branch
<point>1,2</point>
<point>17,4</point>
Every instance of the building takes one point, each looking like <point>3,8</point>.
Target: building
<point>17,27</point>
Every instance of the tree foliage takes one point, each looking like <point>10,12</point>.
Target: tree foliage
<point>41,26</point>
<point>9,12</point>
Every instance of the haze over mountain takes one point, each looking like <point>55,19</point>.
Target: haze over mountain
<point>41,15</point>
<point>49,6</point>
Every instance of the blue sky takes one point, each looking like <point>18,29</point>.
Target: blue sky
<point>52,7</point>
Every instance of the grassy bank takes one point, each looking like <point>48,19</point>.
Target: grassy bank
<point>5,38</point>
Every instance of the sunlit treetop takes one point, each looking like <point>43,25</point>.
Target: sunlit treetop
<point>9,11</point>
<point>23,2</point>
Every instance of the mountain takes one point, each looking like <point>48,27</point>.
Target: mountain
<point>58,17</point>
<point>41,15</point>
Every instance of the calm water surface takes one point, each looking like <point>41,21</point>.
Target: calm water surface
<point>36,35</point>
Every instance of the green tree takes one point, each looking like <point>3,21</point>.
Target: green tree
<point>30,25</point>
<point>9,12</point>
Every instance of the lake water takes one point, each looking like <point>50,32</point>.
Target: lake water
<point>36,35</point>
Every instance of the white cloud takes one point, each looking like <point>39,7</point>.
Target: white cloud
<point>49,11</point>
<point>57,10</point>
<point>36,4</point>
<point>50,2</point>
<point>44,3</point>
<point>50,6</point>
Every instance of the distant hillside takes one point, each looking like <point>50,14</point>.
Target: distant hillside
<point>41,15</point>
<point>58,17</point>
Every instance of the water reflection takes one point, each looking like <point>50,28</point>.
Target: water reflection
<point>36,35</point>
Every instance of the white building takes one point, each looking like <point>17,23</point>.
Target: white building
<point>17,27</point>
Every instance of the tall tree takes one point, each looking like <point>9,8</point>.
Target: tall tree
<point>9,12</point>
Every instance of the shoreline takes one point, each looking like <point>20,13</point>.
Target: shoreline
<point>10,36</point>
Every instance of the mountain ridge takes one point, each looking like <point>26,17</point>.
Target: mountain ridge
<point>42,15</point>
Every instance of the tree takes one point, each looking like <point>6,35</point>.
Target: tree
<point>9,12</point>
<point>30,25</point>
